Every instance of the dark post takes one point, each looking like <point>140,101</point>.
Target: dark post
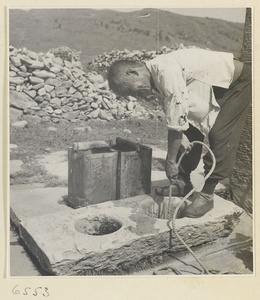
<point>241,177</point>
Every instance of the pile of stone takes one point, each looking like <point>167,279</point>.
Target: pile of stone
<point>102,62</point>
<point>53,87</point>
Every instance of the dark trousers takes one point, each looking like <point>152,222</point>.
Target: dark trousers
<point>225,135</point>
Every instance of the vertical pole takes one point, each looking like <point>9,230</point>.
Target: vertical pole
<point>241,177</point>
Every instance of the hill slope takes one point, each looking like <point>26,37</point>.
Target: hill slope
<point>96,31</point>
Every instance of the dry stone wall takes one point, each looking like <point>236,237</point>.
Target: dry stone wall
<point>102,62</point>
<point>53,87</point>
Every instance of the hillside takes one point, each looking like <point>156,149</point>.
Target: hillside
<point>96,31</point>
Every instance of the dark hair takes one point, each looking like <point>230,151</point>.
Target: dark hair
<point>117,76</point>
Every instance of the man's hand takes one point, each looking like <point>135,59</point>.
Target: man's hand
<point>172,170</point>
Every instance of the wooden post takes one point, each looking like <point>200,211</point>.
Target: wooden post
<point>241,177</point>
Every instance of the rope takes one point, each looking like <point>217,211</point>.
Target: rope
<point>204,269</point>
<point>172,220</point>
<point>173,227</point>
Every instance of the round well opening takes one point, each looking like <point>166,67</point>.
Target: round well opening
<point>97,225</point>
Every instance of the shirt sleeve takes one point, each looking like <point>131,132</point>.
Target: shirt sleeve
<point>176,100</point>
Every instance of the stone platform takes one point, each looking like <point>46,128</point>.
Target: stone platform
<point>109,237</point>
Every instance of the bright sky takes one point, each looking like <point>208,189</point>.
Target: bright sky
<point>232,14</point>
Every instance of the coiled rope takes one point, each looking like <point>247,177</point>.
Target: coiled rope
<point>172,221</point>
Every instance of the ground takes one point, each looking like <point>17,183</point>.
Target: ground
<point>40,155</point>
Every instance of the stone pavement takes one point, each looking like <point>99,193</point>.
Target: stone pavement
<point>40,201</point>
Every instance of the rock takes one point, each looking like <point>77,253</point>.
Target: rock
<point>15,166</point>
<point>72,90</point>
<point>41,92</point>
<point>48,109</point>
<point>67,72</point>
<point>52,129</point>
<point>75,106</point>
<point>60,90</point>
<point>23,68</point>
<point>44,74</point>
<point>37,108</point>
<point>103,115</point>
<point>20,124</point>
<point>55,102</point>
<point>94,114</point>
<point>32,55</point>
<point>18,88</point>
<point>71,115</point>
<point>130,106</point>
<point>58,61</point>
<point>48,88</point>
<point>21,100</point>
<point>68,64</point>
<point>67,84</point>
<point>94,105</point>
<point>37,65</point>
<point>31,93</point>
<point>53,82</point>
<point>131,98</point>
<point>95,78</point>
<point>13,146</point>
<point>55,70</point>
<point>84,107</point>
<point>52,94</point>
<point>26,60</point>
<point>12,74</point>
<point>13,68</point>
<point>16,80</point>
<point>35,80</point>
<point>39,99</point>
<point>77,83</point>
<point>23,74</point>
<point>55,119</point>
<point>38,86</point>
<point>58,111</point>
<point>15,114</point>
<point>43,105</point>
<point>16,61</point>
<point>127,131</point>
<point>78,95</point>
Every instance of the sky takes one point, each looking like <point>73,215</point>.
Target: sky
<point>232,14</point>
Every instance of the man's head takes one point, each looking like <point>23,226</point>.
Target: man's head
<point>126,77</point>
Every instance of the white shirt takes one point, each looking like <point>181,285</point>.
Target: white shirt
<point>183,81</point>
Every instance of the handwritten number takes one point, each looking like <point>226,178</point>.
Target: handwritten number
<point>46,290</point>
<point>25,292</point>
<point>35,293</point>
<point>15,291</point>
<point>45,293</point>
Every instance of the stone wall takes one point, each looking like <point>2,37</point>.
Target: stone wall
<point>53,87</point>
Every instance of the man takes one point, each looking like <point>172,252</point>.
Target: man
<point>203,93</point>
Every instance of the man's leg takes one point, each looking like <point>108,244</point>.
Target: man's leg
<point>224,138</point>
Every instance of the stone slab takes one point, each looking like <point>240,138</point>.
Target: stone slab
<point>63,250</point>
<point>27,201</point>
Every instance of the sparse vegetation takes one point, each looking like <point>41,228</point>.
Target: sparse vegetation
<point>97,31</point>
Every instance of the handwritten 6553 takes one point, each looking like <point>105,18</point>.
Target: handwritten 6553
<point>38,291</point>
